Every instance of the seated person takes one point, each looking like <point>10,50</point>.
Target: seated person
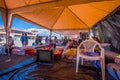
<point>11,41</point>
<point>70,48</point>
<point>65,40</point>
<point>10,45</point>
<point>80,37</point>
<point>67,45</point>
<point>51,45</point>
<point>73,44</point>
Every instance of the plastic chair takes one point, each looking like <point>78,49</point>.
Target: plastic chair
<point>89,46</point>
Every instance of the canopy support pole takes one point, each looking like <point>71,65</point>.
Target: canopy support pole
<point>7,19</point>
<point>8,30</point>
<point>50,34</point>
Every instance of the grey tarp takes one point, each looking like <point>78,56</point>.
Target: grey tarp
<point>109,31</point>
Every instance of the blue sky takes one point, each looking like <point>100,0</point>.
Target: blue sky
<point>20,24</point>
<point>1,21</point>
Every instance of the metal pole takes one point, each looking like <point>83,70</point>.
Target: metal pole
<point>50,34</point>
<point>8,24</point>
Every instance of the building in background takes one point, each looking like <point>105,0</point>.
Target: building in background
<point>16,33</point>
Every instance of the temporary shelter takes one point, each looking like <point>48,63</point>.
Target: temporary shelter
<point>58,15</point>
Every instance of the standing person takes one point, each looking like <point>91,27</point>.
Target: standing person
<point>46,40</point>
<point>55,41</point>
<point>80,38</point>
<point>40,40</point>
<point>24,39</point>
<point>37,40</point>
<point>21,39</point>
<point>51,45</point>
<point>11,41</point>
<point>65,40</point>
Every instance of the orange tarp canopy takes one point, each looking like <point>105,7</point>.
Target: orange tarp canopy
<point>61,15</point>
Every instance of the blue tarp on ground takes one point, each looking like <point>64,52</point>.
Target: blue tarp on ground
<point>19,65</point>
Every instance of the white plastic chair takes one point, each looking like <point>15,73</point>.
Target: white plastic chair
<point>89,46</point>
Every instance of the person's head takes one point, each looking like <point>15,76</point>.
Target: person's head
<point>80,33</point>
<point>25,34</point>
<point>10,36</point>
<point>37,35</point>
<point>55,37</point>
<point>22,34</point>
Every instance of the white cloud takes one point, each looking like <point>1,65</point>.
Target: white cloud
<point>43,32</point>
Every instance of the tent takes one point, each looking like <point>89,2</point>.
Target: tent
<point>56,15</point>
